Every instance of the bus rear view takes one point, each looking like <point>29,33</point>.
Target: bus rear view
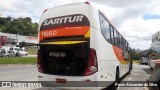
<point>78,43</point>
<point>64,39</point>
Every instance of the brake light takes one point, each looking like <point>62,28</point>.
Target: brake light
<point>92,64</point>
<point>86,2</point>
<point>39,62</point>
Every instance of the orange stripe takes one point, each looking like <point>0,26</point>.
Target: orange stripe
<point>119,54</point>
<point>66,31</point>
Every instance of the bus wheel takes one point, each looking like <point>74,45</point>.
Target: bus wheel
<point>130,68</point>
<point>117,74</point>
<point>113,86</point>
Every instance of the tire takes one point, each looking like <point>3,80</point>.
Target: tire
<point>117,75</point>
<point>20,55</point>
<point>150,66</point>
<point>7,56</point>
<point>117,80</point>
<point>112,86</point>
<point>130,68</point>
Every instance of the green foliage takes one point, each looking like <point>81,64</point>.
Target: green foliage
<point>18,60</point>
<point>136,61</point>
<point>22,26</point>
<point>136,54</point>
<point>32,50</point>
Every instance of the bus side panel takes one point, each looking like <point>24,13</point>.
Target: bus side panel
<point>106,58</point>
<point>109,50</point>
<point>124,64</point>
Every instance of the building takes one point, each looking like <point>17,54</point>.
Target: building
<point>15,39</point>
<point>156,39</point>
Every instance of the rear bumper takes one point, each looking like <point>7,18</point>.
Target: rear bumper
<point>144,61</point>
<point>73,82</point>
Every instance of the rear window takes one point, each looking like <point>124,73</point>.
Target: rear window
<point>70,60</point>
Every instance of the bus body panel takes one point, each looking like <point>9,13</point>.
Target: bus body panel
<point>77,8</point>
<point>106,58</point>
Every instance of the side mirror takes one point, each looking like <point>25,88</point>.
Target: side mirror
<point>126,56</point>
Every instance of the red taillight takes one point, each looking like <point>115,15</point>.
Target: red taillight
<point>86,2</point>
<point>39,62</point>
<point>92,64</point>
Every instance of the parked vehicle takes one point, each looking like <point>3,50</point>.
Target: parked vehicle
<point>151,64</point>
<point>154,55</point>
<point>144,59</point>
<point>21,52</point>
<point>7,53</point>
<point>4,48</point>
<point>15,49</point>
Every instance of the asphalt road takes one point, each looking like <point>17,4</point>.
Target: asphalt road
<point>138,73</point>
<point>18,73</point>
<point>29,73</point>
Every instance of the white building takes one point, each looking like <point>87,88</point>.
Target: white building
<point>16,39</point>
<point>156,39</point>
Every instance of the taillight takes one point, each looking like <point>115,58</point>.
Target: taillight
<point>39,62</point>
<point>86,2</point>
<point>92,64</point>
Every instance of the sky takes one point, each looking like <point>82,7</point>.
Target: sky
<point>136,20</point>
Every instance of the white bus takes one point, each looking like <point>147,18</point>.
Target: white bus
<point>78,43</point>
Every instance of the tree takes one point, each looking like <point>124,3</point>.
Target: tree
<point>136,54</point>
<point>22,26</point>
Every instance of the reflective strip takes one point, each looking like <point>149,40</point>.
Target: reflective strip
<point>63,42</point>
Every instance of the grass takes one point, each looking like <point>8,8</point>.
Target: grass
<point>136,61</point>
<point>18,60</point>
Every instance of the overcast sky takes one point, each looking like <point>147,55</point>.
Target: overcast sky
<point>136,20</point>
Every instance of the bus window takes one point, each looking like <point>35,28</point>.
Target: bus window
<point>112,34</point>
<point>115,36</point>
<point>118,39</point>
<point>123,43</point>
<point>105,28</point>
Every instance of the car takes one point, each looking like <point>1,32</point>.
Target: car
<point>7,53</point>
<point>151,64</point>
<point>144,60</point>
<point>21,53</point>
<point>15,49</point>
